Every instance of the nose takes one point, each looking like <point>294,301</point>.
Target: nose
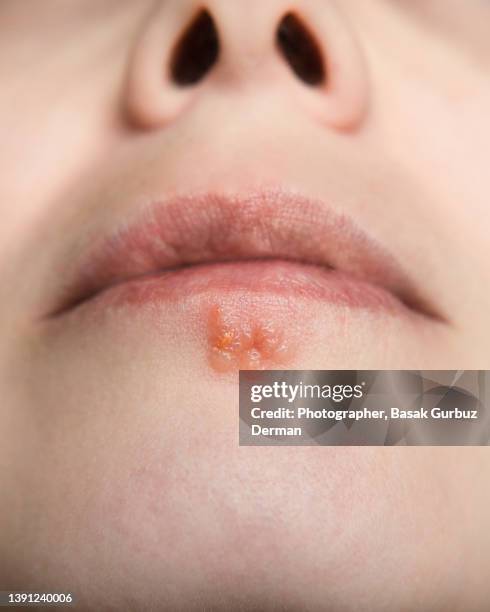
<point>307,50</point>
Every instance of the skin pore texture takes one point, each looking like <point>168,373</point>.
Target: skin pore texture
<point>156,238</point>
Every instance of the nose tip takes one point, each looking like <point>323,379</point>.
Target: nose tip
<point>307,49</point>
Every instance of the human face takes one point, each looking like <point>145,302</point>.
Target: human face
<point>324,208</point>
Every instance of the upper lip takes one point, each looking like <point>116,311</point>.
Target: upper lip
<point>213,227</point>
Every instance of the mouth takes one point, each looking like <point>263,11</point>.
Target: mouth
<point>270,242</point>
<point>263,281</point>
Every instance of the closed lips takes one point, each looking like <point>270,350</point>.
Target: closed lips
<point>213,240</point>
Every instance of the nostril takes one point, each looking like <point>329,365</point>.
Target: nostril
<point>299,48</point>
<point>196,51</point>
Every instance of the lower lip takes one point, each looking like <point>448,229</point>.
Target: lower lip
<point>248,314</point>
<point>305,282</point>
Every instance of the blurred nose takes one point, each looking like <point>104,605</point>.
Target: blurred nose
<point>306,50</point>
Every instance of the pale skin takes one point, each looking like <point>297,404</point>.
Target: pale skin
<point>121,477</point>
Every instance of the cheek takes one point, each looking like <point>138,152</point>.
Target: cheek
<point>57,121</point>
<point>41,157</point>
